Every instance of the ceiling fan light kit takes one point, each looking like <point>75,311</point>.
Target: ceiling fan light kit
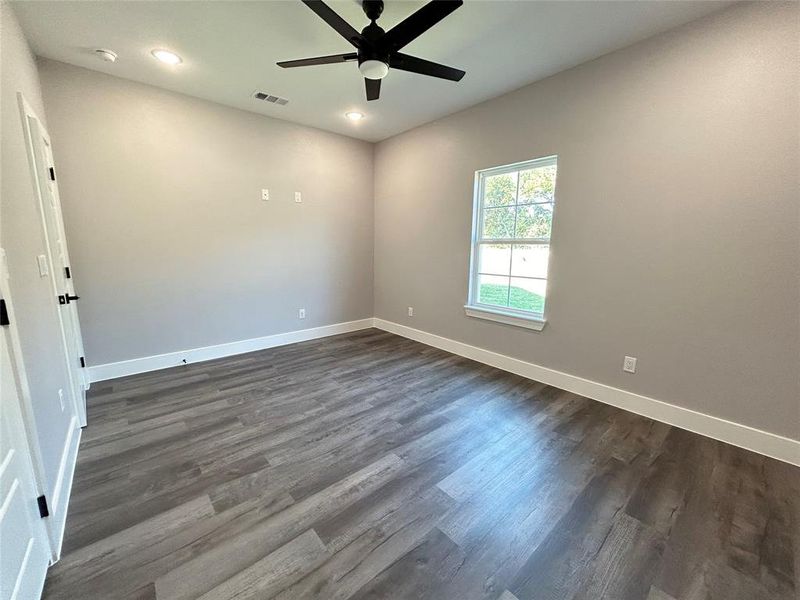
<point>377,50</point>
<point>374,69</point>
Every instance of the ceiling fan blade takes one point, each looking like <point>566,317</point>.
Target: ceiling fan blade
<point>319,60</point>
<point>327,14</point>
<point>418,23</point>
<point>373,88</point>
<point>404,62</point>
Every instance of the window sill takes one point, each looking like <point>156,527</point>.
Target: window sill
<point>508,318</point>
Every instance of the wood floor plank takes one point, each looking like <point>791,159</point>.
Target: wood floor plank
<point>274,572</point>
<point>626,563</point>
<point>563,561</point>
<point>435,560</point>
<point>220,563</point>
<point>656,594</point>
<point>148,563</point>
<point>500,538</point>
<point>367,465</point>
<point>362,553</point>
<point>102,556</point>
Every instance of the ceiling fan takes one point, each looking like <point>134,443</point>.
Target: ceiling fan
<point>378,50</point>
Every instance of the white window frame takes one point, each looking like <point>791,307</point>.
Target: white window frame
<point>502,314</point>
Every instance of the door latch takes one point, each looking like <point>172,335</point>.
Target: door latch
<point>66,299</point>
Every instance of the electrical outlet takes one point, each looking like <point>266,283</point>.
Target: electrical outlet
<point>629,364</point>
<point>298,197</point>
<point>301,314</point>
<point>61,399</point>
<point>410,311</point>
<point>265,194</point>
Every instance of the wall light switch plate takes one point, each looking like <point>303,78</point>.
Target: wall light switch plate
<point>629,364</point>
<point>301,314</point>
<point>410,311</point>
<point>298,197</point>
<point>61,399</point>
<point>42,261</point>
<point>265,194</point>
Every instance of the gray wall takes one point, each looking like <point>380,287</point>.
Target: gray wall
<point>171,244</point>
<point>677,218</point>
<point>22,237</point>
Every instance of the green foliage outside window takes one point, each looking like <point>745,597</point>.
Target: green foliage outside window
<point>525,219</point>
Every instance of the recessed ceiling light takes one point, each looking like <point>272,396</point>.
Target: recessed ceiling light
<point>106,55</point>
<point>354,116</point>
<point>168,57</point>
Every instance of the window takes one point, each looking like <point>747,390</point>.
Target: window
<point>512,220</point>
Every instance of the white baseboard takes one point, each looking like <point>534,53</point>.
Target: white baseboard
<point>763,442</point>
<point>59,503</point>
<point>173,359</point>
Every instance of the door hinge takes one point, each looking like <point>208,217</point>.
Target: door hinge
<point>83,362</point>
<point>52,174</point>
<point>43,511</point>
<point>4,320</point>
<point>67,273</point>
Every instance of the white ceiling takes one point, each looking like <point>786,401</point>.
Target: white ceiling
<point>230,49</point>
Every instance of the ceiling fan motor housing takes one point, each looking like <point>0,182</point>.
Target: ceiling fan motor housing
<point>373,60</point>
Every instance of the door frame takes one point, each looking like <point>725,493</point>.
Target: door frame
<point>79,377</point>
<point>30,432</point>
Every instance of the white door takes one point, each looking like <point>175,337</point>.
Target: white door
<point>24,546</point>
<point>58,259</point>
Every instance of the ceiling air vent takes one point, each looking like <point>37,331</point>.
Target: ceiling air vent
<point>270,98</point>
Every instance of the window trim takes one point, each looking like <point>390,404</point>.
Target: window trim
<point>473,308</point>
<point>505,315</point>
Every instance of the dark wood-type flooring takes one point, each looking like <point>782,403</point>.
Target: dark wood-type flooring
<point>369,466</point>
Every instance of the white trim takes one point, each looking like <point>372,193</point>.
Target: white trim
<point>62,490</point>
<point>173,359</point>
<point>525,165</point>
<point>763,442</point>
<point>501,316</point>
<point>63,467</point>
<point>750,438</point>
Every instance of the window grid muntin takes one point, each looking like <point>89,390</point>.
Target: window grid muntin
<point>519,204</point>
<point>512,276</point>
